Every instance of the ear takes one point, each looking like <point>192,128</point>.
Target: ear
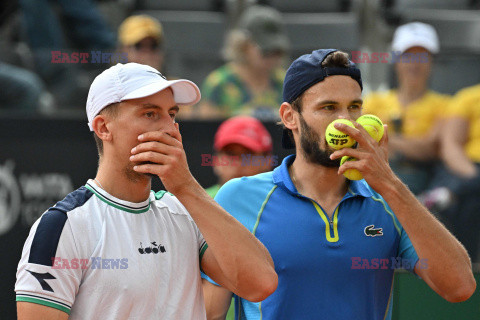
<point>99,125</point>
<point>287,115</point>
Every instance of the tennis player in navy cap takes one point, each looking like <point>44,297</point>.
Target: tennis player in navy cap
<point>335,243</point>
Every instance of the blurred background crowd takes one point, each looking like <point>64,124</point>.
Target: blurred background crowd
<point>426,87</point>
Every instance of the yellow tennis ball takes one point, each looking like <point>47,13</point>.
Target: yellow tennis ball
<point>373,125</point>
<point>351,174</point>
<point>336,138</point>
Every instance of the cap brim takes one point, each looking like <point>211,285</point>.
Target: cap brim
<point>273,42</point>
<point>185,92</point>
<point>241,140</point>
<point>404,46</point>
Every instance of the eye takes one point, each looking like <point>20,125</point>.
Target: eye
<point>149,114</point>
<point>355,107</point>
<point>328,107</point>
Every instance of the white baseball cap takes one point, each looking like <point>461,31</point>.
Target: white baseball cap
<point>132,81</point>
<point>415,34</point>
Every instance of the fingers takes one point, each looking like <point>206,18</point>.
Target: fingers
<point>154,169</point>
<point>155,152</point>
<point>384,139</point>
<point>157,163</point>
<point>159,142</point>
<point>358,133</point>
<point>360,165</point>
<point>149,156</point>
<point>177,134</point>
<point>347,152</point>
<point>152,146</point>
<point>371,156</point>
<point>173,138</point>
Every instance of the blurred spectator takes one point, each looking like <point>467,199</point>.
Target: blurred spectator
<point>456,187</point>
<point>47,23</point>
<point>141,38</point>
<point>22,90</point>
<point>413,112</point>
<point>237,142</point>
<point>251,82</point>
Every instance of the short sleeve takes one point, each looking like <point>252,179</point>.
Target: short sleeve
<point>407,252</point>
<point>461,104</point>
<point>50,271</point>
<point>442,105</point>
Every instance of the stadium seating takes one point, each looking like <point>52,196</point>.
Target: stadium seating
<point>310,6</point>
<point>193,41</point>
<point>310,31</point>
<point>176,5</point>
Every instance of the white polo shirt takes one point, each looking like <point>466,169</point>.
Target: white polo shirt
<point>98,257</point>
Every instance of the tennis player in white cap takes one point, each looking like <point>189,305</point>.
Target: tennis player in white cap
<point>114,249</point>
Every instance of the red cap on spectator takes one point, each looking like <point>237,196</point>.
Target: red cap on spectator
<point>246,131</point>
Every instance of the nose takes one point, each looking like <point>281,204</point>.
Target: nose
<point>344,114</point>
<point>169,127</point>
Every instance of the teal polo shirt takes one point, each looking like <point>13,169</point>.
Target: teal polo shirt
<point>328,268</point>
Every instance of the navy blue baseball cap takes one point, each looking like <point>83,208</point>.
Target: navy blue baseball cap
<point>307,71</point>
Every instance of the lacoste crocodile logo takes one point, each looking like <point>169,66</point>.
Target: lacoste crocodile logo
<point>371,232</point>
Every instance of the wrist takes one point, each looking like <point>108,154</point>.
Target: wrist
<point>393,189</point>
<point>189,186</point>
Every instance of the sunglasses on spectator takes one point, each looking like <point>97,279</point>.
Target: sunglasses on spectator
<point>151,46</point>
<point>273,53</point>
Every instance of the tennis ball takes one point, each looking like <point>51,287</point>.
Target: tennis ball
<point>336,138</point>
<point>351,174</point>
<point>373,125</point>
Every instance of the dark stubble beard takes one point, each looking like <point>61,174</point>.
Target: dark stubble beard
<point>310,145</point>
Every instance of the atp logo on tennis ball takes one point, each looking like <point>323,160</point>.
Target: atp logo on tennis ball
<point>373,125</point>
<point>336,138</point>
<point>351,174</point>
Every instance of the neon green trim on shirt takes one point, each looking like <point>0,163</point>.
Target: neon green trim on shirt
<point>390,213</point>
<point>322,214</point>
<point>261,209</point>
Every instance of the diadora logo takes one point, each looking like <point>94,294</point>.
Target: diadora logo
<point>370,231</point>
<point>154,248</point>
<point>41,277</point>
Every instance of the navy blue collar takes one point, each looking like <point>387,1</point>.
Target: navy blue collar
<point>281,177</point>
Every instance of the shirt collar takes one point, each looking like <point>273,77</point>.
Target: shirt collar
<point>281,177</point>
